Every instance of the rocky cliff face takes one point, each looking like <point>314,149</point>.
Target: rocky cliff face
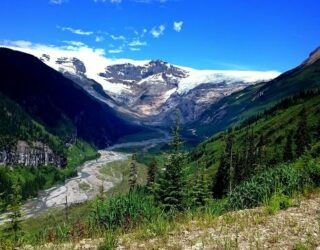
<point>32,154</point>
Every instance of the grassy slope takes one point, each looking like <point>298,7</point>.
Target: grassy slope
<point>275,126</point>
<point>294,228</point>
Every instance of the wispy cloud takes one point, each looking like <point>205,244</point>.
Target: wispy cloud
<point>76,31</point>
<point>177,26</point>
<point>115,51</point>
<point>157,31</point>
<point>134,49</point>
<point>150,1</point>
<point>116,38</point>
<point>68,49</point>
<point>137,43</point>
<point>57,1</point>
<point>99,39</point>
<point>75,43</point>
<point>110,1</point>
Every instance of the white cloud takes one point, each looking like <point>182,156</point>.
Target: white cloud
<point>99,39</point>
<point>19,43</point>
<point>157,31</point>
<point>137,43</point>
<point>150,1</point>
<point>94,58</point>
<point>76,31</point>
<point>115,51</point>
<point>111,1</point>
<point>57,1</point>
<point>113,37</point>
<point>177,26</point>
<point>134,49</point>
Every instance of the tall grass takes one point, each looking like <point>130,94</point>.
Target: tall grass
<point>283,180</point>
<point>124,211</point>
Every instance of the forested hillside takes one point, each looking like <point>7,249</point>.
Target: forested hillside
<point>16,125</point>
<point>279,135</point>
<point>256,98</point>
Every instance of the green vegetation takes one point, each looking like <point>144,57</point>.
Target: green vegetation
<point>15,124</point>
<point>123,211</point>
<point>121,171</point>
<point>34,179</point>
<point>267,160</point>
<point>171,190</point>
<point>256,99</point>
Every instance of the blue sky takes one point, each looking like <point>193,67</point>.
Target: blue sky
<point>204,34</point>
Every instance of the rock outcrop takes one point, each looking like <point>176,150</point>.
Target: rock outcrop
<point>32,154</point>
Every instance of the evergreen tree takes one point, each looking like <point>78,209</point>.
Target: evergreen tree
<point>318,129</point>
<point>201,187</point>
<point>261,150</point>
<point>101,195</point>
<point>171,187</point>
<point>302,138</point>
<point>251,155</point>
<point>225,176</point>
<point>288,152</point>
<point>152,173</point>
<point>133,177</point>
<point>15,211</point>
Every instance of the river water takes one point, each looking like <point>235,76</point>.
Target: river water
<point>84,186</point>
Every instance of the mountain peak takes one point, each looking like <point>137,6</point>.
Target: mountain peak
<point>313,57</point>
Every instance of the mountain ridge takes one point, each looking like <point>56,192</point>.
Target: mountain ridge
<point>255,99</point>
<point>149,92</point>
<point>58,102</point>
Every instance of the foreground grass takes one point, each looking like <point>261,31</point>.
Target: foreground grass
<point>296,227</point>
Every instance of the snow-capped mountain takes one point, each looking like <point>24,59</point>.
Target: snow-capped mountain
<point>150,91</point>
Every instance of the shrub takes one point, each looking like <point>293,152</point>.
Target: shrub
<point>277,202</point>
<point>313,172</point>
<point>124,211</point>
<point>110,242</point>
<point>283,179</point>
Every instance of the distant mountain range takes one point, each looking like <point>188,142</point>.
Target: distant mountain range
<point>149,92</point>
<point>102,101</point>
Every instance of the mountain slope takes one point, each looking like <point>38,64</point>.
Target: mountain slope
<point>256,98</point>
<point>25,142</point>
<point>262,142</point>
<point>57,102</point>
<point>148,92</point>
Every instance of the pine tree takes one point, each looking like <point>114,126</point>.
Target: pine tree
<point>133,177</point>
<point>225,177</point>
<point>201,187</point>
<point>261,150</point>
<point>302,138</point>
<point>101,195</point>
<point>251,154</point>
<point>318,129</point>
<point>171,186</point>
<point>15,211</point>
<point>152,173</point>
<point>288,152</point>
